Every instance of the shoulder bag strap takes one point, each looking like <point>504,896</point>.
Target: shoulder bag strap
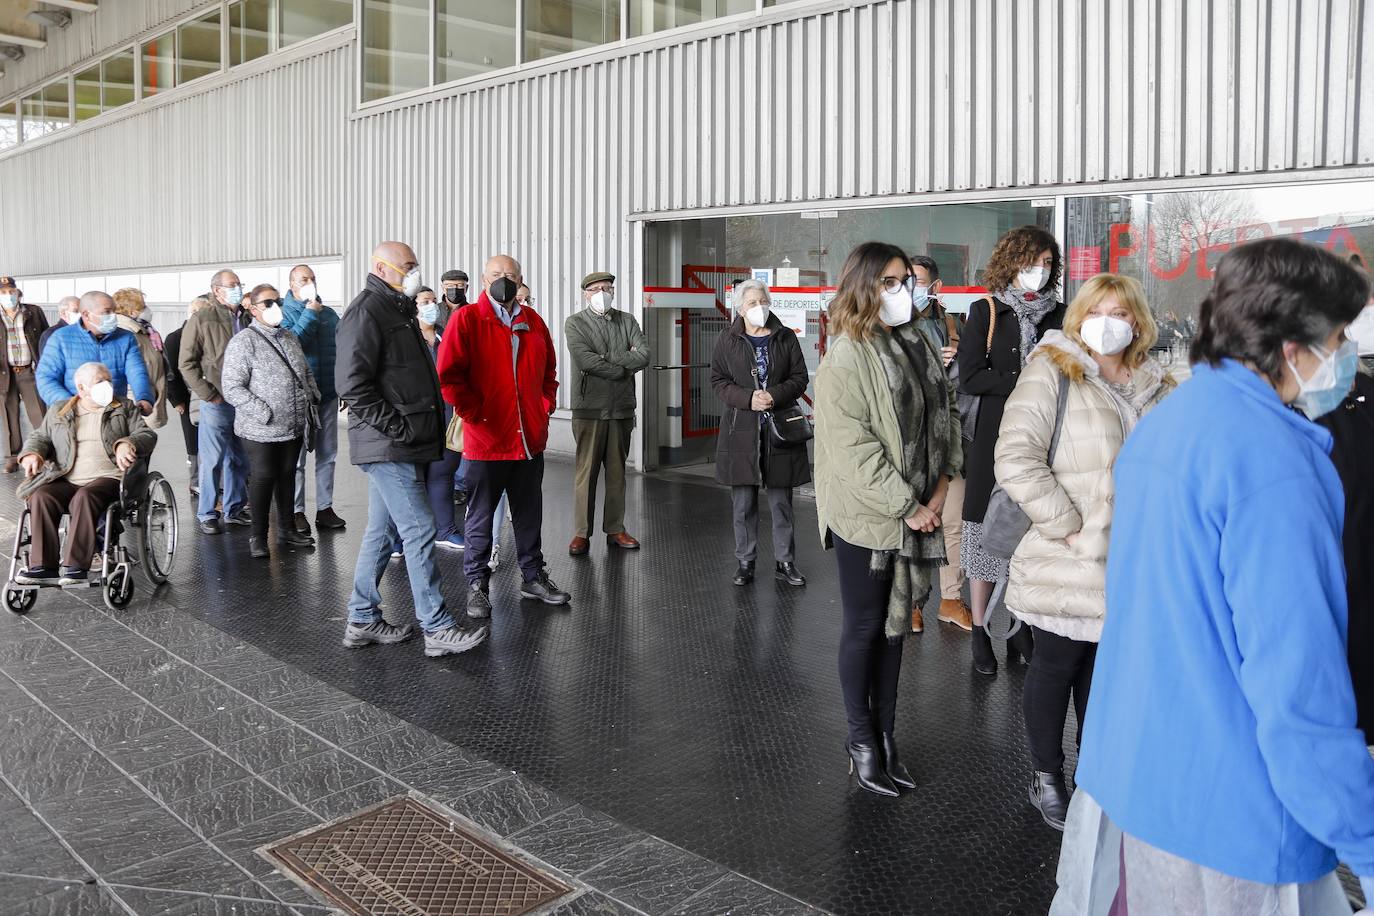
<point>1060,407</point>
<point>992,323</point>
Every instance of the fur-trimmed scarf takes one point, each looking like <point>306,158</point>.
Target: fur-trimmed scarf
<point>920,394</point>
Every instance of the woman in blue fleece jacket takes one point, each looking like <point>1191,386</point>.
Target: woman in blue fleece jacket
<point>1221,771</point>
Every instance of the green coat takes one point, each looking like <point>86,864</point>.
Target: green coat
<point>862,493</point>
<point>606,351</point>
<point>55,440</point>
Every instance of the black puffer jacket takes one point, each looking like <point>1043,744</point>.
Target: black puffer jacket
<point>732,377</point>
<point>385,375</point>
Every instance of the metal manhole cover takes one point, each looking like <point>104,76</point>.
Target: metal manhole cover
<point>404,858</point>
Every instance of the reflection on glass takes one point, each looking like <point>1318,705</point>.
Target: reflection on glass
<point>1171,242</point>
<point>9,125</point>
<point>86,90</point>
<point>395,54</point>
<point>198,48</point>
<point>554,27</point>
<point>159,64</point>
<point>117,75</point>
<point>301,19</point>
<point>656,15</point>
<point>57,99</point>
<point>250,30</point>
<point>473,37</point>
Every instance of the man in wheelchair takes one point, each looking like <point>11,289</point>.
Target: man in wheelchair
<point>73,464</point>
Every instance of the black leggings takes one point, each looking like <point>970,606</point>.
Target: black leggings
<point>870,663</point>
<point>1060,667</point>
<point>272,467</point>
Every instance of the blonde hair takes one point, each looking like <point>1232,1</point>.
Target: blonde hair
<point>129,302</point>
<point>196,304</point>
<point>1129,293</point>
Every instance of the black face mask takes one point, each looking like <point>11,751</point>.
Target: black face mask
<point>456,296</point>
<point>503,290</point>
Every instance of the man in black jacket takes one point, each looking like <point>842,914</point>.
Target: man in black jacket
<point>385,375</point>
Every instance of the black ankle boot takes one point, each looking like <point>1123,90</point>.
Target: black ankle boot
<point>745,574</point>
<point>1050,796</point>
<point>1022,644</point>
<point>863,761</point>
<point>984,662</point>
<point>892,764</point>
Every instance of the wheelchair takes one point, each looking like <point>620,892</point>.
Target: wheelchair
<point>139,530</point>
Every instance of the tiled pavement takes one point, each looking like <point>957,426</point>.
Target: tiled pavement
<point>145,756</point>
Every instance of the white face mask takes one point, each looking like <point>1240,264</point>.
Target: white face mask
<point>271,316</point>
<point>897,307</point>
<point>601,301</point>
<point>308,293</point>
<point>1107,335</point>
<point>1032,278</point>
<point>1361,330</point>
<point>9,300</point>
<point>757,315</point>
<point>102,393</point>
<point>411,283</point>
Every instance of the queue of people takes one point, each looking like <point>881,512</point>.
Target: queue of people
<point>1203,610</point>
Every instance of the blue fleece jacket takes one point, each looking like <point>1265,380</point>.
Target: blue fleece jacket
<point>317,332</point>
<point>1222,721</point>
<point>72,346</point>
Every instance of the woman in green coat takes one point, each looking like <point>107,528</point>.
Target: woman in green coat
<point>887,446</point>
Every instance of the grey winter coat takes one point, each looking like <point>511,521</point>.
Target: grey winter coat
<point>270,404</point>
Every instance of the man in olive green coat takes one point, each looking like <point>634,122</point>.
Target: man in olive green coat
<point>607,348</point>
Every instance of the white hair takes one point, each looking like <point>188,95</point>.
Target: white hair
<point>737,298</point>
<point>89,373</point>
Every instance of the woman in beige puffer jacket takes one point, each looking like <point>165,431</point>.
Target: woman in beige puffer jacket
<point>1057,581</point>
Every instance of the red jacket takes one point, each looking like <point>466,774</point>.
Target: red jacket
<point>484,383</point>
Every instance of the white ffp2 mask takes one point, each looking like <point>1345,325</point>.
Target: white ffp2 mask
<point>1106,335</point>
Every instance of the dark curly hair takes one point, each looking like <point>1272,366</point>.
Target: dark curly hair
<point>1271,291</point>
<point>1014,251</point>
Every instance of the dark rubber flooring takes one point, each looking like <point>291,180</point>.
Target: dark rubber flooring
<point>664,696</point>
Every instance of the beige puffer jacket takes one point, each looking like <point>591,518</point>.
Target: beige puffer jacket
<point>1053,586</point>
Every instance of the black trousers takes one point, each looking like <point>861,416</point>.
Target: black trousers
<point>189,434</point>
<point>523,484</point>
<point>870,663</point>
<point>272,470</point>
<point>1060,667</point>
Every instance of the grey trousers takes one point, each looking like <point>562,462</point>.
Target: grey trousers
<point>745,501</point>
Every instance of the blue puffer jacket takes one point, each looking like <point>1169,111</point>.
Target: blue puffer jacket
<point>73,346</point>
<point>316,331</point>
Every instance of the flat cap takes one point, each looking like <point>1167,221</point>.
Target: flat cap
<point>598,276</point>
<point>453,275</point>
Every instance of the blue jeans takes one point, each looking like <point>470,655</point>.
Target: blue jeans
<point>221,454</point>
<point>326,455</point>
<point>398,504</point>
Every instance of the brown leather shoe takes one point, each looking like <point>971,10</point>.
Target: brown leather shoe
<point>579,546</point>
<point>953,610</point>
<point>623,541</point>
<point>918,621</point>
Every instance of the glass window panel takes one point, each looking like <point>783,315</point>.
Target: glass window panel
<point>159,64</point>
<point>554,27</point>
<point>656,15</point>
<point>301,19</point>
<point>56,97</point>
<point>198,48</point>
<point>250,30</point>
<point>87,90</point>
<point>1171,241</point>
<point>473,37</point>
<point>117,79</point>
<point>395,40</point>
<point>9,124</point>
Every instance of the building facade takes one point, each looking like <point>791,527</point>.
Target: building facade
<point>680,144</point>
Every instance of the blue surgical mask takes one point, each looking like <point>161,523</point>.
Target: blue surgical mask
<point>919,295</point>
<point>233,294</point>
<point>429,313</point>
<point>1328,386</point>
<point>108,322</point>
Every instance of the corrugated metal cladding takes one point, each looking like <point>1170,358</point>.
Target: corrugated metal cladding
<point>252,170</point>
<point>112,24</point>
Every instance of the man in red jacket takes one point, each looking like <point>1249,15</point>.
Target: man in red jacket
<point>497,367</point>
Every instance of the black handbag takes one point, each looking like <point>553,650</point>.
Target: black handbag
<point>788,427</point>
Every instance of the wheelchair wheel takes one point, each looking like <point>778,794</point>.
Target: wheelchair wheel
<point>156,537</point>
<point>21,600</point>
<point>118,589</point>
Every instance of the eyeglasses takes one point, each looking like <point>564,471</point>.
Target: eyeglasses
<point>892,284</point>
<point>601,288</point>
